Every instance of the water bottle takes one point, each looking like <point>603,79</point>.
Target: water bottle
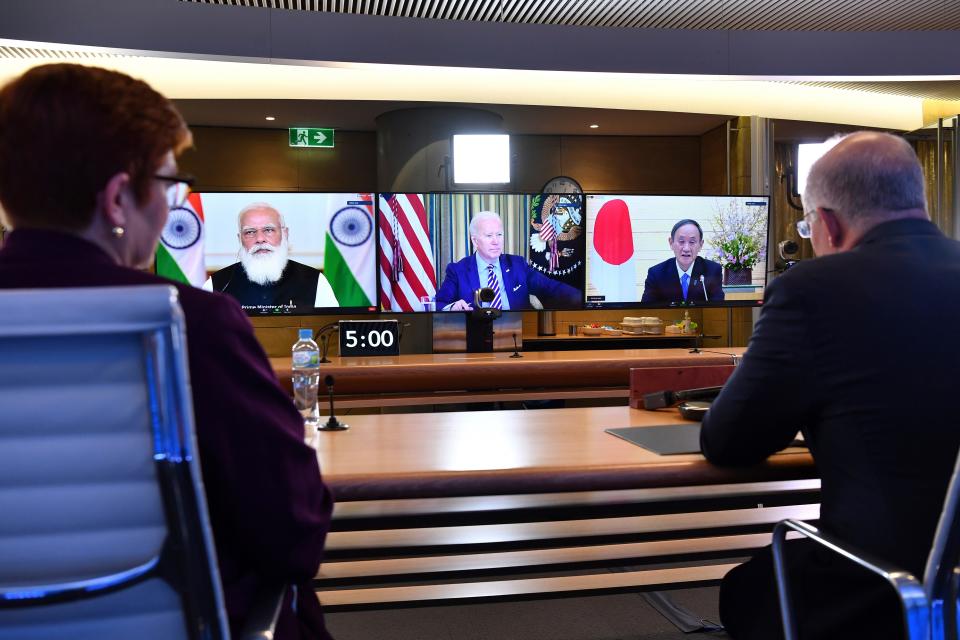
<point>306,377</point>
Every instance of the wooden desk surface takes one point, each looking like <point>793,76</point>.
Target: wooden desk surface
<point>637,337</point>
<point>504,452</point>
<point>473,371</point>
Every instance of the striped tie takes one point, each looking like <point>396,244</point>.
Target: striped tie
<point>493,284</point>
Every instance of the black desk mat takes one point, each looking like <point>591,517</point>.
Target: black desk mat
<point>668,439</point>
<point>664,440</point>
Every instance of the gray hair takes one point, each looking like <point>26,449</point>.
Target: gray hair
<point>257,205</point>
<point>864,174</point>
<point>482,215</point>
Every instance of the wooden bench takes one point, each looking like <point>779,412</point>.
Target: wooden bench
<point>399,553</point>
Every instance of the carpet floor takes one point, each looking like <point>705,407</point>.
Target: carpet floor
<point>606,617</point>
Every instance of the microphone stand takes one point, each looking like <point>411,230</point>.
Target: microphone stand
<point>332,423</point>
<point>516,349</point>
<point>698,341</point>
<point>324,334</point>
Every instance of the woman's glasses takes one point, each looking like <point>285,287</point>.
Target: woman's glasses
<point>179,189</point>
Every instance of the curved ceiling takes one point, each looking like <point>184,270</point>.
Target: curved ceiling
<point>711,57</point>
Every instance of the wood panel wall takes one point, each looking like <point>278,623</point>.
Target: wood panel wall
<point>713,161</point>
<point>236,159</point>
<point>609,164</point>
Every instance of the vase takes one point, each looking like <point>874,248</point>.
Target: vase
<point>738,276</point>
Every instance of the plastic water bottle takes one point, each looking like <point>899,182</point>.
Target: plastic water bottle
<point>306,377</point>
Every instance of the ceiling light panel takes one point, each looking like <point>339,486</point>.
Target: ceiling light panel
<point>37,53</point>
<point>749,15</point>
<point>927,89</point>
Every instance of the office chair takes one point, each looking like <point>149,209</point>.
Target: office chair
<point>930,609</point>
<point>103,522</point>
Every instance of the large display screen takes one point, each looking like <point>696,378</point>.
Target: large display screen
<point>438,249</point>
<point>276,253</point>
<point>675,251</point>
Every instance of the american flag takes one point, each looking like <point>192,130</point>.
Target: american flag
<point>407,272</point>
<point>549,236</point>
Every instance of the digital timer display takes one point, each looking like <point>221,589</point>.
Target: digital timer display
<point>369,337</point>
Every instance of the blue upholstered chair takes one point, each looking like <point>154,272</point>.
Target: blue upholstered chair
<point>103,523</point>
<point>929,608</point>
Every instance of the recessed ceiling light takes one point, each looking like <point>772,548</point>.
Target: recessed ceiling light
<point>270,118</point>
<point>594,126</point>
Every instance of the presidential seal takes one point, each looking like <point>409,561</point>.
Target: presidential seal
<point>556,219</point>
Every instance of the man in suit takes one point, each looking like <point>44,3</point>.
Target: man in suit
<point>852,348</point>
<point>686,277</point>
<point>509,276</point>
<point>265,277</point>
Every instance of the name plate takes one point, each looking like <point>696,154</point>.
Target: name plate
<point>369,338</point>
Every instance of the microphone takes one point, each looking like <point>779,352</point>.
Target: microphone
<point>661,399</point>
<point>324,345</point>
<point>704,285</point>
<point>332,423</point>
<point>324,334</point>
<point>516,349</point>
<point>223,289</point>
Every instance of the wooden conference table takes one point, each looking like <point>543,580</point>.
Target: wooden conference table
<point>507,452</point>
<point>420,379</point>
<point>455,499</point>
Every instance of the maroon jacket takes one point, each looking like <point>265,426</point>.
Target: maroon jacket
<point>269,508</point>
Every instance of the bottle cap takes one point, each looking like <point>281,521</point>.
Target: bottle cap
<point>306,334</point>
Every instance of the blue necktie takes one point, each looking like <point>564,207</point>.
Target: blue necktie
<point>493,284</point>
<point>684,282</point>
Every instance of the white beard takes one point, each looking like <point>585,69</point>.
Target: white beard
<point>264,263</point>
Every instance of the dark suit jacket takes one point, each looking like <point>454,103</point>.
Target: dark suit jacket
<point>269,509</point>
<point>857,350</point>
<point>462,279</point>
<point>297,286</point>
<point>663,282</point>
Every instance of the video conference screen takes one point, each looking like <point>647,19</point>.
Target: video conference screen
<point>675,251</point>
<point>438,249</point>
<point>276,253</point>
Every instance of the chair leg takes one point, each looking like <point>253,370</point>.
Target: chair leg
<point>783,588</point>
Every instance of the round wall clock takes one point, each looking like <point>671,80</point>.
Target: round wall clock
<point>562,184</point>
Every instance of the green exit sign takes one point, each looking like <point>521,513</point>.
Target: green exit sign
<point>322,138</point>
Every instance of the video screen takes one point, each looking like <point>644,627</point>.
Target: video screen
<point>276,253</point>
<point>438,250</point>
<point>675,251</point>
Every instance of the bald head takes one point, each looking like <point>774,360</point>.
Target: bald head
<point>261,208</point>
<point>867,177</point>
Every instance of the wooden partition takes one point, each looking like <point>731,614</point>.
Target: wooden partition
<point>490,505</point>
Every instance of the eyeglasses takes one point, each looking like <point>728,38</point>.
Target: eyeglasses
<point>179,189</point>
<point>269,232</point>
<point>803,226</point>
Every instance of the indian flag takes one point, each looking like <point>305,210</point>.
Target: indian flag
<point>349,260</point>
<point>180,252</point>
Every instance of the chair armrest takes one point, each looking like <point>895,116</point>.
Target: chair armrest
<point>261,622</point>
<point>916,612</point>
